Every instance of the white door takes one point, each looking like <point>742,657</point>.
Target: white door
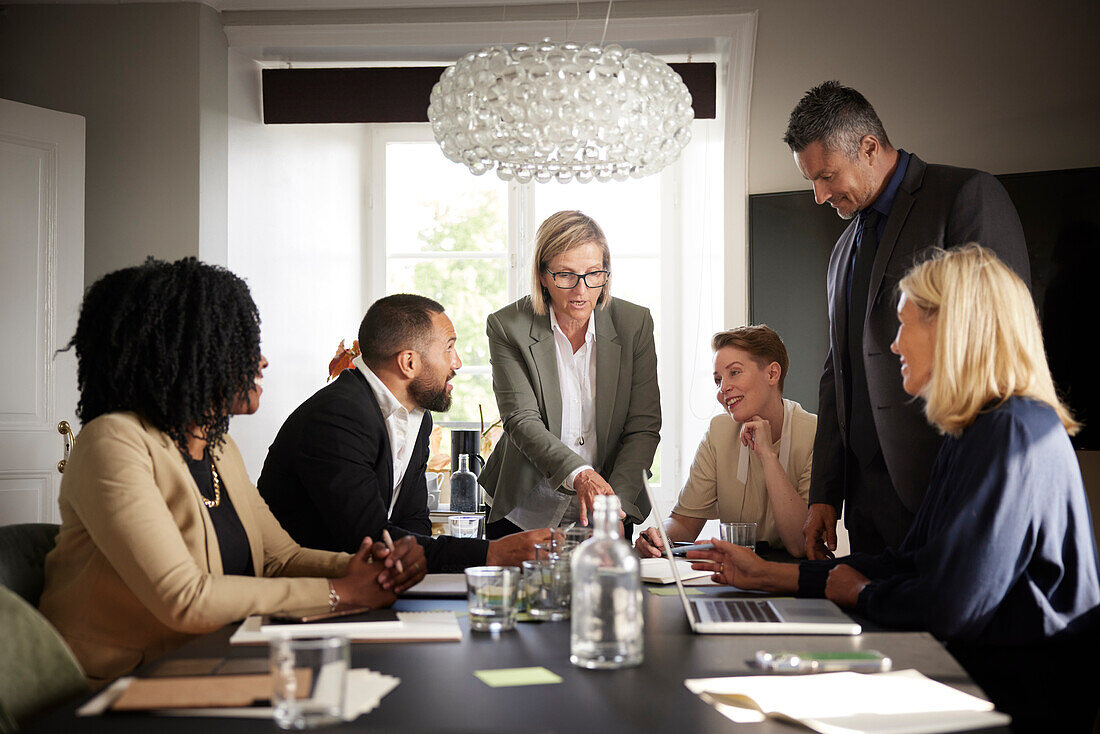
<point>41,283</point>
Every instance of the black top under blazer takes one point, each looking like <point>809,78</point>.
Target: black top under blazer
<point>328,478</point>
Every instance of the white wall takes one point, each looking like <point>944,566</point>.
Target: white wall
<point>1001,85</point>
<point>295,234</point>
<point>149,82</point>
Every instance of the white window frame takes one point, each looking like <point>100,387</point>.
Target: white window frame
<point>521,228</point>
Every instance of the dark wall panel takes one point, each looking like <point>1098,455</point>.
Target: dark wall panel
<point>400,94</point>
<point>790,238</point>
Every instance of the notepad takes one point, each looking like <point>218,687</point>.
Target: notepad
<point>201,691</point>
<point>410,627</point>
<point>364,692</point>
<point>451,585</point>
<point>899,702</point>
<point>659,571</point>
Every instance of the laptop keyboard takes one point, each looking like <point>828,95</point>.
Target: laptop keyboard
<point>737,610</point>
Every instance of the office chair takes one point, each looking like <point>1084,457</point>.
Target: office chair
<point>23,550</point>
<point>37,669</point>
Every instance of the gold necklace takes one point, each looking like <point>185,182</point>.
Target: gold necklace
<point>217,487</point>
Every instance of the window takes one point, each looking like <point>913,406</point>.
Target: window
<point>467,241</point>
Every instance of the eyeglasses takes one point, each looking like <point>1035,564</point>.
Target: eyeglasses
<point>594,279</point>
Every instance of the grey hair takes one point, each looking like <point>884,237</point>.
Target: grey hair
<point>836,116</point>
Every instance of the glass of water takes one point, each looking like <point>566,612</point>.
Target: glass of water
<point>740,533</point>
<point>548,589</point>
<point>309,676</point>
<point>466,526</point>
<point>493,595</point>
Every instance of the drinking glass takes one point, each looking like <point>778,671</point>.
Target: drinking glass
<point>308,676</point>
<point>548,585</point>
<point>465,526</point>
<point>740,533</point>
<point>493,596</point>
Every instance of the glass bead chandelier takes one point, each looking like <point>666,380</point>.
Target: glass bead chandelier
<point>561,111</point>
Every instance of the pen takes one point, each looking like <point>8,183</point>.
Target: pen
<point>389,544</point>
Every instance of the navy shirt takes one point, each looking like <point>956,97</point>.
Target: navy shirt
<point>883,204</point>
<point>1001,551</point>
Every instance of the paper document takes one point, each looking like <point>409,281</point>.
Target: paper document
<point>410,627</point>
<point>899,702</point>
<point>659,571</point>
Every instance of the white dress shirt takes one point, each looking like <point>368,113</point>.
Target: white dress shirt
<point>545,506</point>
<point>402,426</point>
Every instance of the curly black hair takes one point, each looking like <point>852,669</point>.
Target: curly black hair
<point>177,343</point>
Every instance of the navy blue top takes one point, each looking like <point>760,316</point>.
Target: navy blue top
<point>885,201</point>
<point>1001,550</point>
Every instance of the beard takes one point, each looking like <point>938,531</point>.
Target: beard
<point>430,396</point>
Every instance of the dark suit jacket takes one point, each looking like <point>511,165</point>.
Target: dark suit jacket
<point>328,478</point>
<point>935,206</point>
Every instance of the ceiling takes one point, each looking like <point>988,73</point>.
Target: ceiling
<point>254,5</point>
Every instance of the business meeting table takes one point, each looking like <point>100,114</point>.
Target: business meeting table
<point>439,692</point>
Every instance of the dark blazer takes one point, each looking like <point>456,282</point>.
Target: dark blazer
<point>328,478</point>
<point>935,207</point>
<point>525,382</point>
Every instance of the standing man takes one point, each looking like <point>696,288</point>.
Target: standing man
<point>874,449</point>
<point>350,461</point>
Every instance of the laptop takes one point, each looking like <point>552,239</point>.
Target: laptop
<point>755,616</point>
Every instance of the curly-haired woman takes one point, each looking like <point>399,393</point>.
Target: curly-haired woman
<point>163,537</point>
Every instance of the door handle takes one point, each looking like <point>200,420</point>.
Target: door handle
<point>65,430</point>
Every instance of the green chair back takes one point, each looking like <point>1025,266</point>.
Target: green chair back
<point>23,550</point>
<point>37,669</point>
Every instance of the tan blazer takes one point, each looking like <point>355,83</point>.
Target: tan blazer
<point>713,489</point>
<point>525,381</point>
<point>137,570</point>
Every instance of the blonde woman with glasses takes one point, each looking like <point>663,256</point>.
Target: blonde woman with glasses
<point>575,377</point>
<point>1000,562</point>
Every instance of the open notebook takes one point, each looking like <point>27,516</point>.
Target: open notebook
<point>899,702</point>
<point>659,571</point>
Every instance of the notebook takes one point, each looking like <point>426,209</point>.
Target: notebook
<point>900,702</point>
<point>755,616</point>
<point>409,627</point>
<point>659,571</point>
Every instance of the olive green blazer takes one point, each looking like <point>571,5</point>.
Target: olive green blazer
<point>525,381</point>
<point>137,569</point>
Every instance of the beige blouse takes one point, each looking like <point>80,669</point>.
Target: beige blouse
<point>713,489</point>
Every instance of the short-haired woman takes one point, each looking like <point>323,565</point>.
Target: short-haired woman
<point>753,464</point>
<point>163,537</point>
<point>1000,562</point>
<point>575,378</point>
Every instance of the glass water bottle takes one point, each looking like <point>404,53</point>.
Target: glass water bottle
<point>463,487</point>
<point>607,595</point>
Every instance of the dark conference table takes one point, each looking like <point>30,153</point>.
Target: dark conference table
<point>439,693</point>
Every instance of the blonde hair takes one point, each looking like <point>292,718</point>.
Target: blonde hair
<point>558,234</point>
<point>988,346</point>
<point>760,341</point>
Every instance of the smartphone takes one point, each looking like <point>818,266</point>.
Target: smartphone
<point>860,661</point>
<point>316,614</point>
<point>682,549</point>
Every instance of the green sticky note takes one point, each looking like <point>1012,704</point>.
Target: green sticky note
<point>503,677</point>
<point>671,591</point>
